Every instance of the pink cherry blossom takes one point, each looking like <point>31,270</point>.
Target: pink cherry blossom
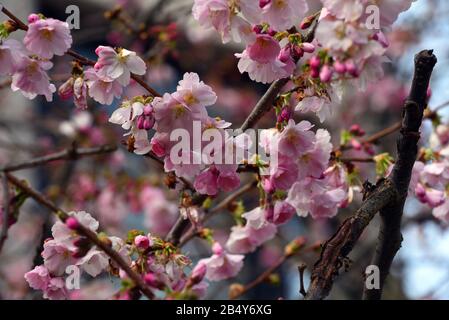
<point>433,197</point>
<point>314,196</point>
<point>170,113</point>
<point>48,37</point>
<point>281,213</point>
<point>206,181</point>
<point>31,79</point>
<point>57,257</point>
<point>80,93</point>
<point>264,49</point>
<point>127,113</point>
<point>193,92</point>
<point>101,89</point>
<point>64,236</point>
<point>295,140</point>
<point>313,163</point>
<point>10,52</point>
<point>38,278</point>
<point>245,239</point>
<point>283,14</point>
<point>222,265</point>
<point>263,72</point>
<point>118,65</point>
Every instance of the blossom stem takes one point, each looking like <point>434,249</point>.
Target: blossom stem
<point>264,275</point>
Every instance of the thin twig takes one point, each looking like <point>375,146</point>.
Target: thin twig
<point>301,268</point>
<point>264,275</point>
<point>189,235</point>
<point>5,224</point>
<point>82,230</point>
<point>69,154</point>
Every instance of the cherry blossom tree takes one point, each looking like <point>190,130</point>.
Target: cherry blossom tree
<point>234,185</point>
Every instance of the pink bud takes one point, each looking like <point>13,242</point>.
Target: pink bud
<point>326,73</point>
<point>148,110</point>
<point>268,186</point>
<point>148,123</point>
<point>33,18</point>
<point>72,223</point>
<point>308,47</point>
<point>352,68</point>
<point>285,114</point>
<point>142,242</point>
<point>258,28</point>
<point>158,148</point>
<point>340,67</point>
<point>315,73</point>
<point>297,53</point>
<point>355,129</point>
<point>198,273</point>
<point>263,3</point>
<point>429,93</point>
<point>151,280</point>
<point>271,32</point>
<point>65,91</point>
<point>285,54</point>
<point>217,249</point>
<point>140,122</point>
<point>381,38</point>
<point>315,62</point>
<point>356,144</point>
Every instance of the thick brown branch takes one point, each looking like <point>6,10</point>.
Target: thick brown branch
<point>388,197</point>
<point>336,249</point>
<point>390,236</point>
<point>114,255</point>
<point>69,154</point>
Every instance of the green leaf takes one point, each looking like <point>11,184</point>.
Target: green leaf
<point>383,162</point>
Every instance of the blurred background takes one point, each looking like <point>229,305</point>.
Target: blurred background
<point>120,189</point>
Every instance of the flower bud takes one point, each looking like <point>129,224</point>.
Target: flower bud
<point>198,273</point>
<point>351,68</point>
<point>151,280</point>
<point>308,47</point>
<point>263,3</point>
<point>217,249</point>
<point>142,242</point>
<point>339,67</point>
<point>72,223</point>
<point>65,91</point>
<point>315,62</point>
<point>33,18</point>
<point>326,73</point>
<point>257,29</point>
<point>140,122</point>
<point>235,290</point>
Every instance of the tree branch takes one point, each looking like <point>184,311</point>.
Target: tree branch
<point>388,196</point>
<point>390,237</point>
<point>89,234</point>
<point>342,242</point>
<point>68,154</point>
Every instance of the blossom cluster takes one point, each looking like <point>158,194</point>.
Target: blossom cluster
<point>430,180</point>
